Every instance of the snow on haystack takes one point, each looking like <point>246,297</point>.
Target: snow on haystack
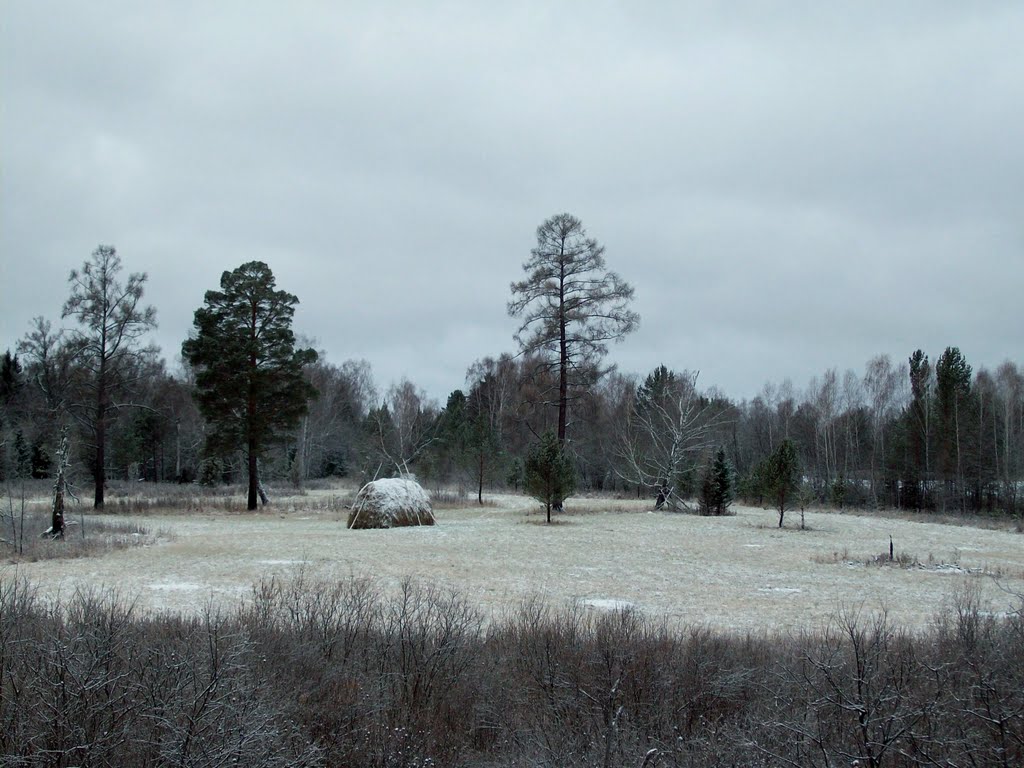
<point>389,504</point>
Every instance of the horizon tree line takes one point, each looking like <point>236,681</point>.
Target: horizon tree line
<point>914,435</point>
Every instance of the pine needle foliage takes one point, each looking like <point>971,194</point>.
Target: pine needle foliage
<point>571,306</point>
<point>716,494</point>
<point>782,477</point>
<point>249,375</point>
<point>550,476</point>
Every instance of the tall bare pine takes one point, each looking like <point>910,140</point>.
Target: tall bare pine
<point>106,345</point>
<point>571,306</point>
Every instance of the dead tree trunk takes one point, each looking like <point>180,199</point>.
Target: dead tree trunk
<point>60,489</point>
<point>259,487</point>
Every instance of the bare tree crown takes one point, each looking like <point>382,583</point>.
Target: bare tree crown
<point>567,282</point>
<point>108,309</point>
<point>571,307</point>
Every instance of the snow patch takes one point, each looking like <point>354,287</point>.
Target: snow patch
<point>608,604</point>
<point>781,590</point>
<point>176,586</point>
<point>951,568</point>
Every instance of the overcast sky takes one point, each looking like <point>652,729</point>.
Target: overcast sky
<point>789,186</point>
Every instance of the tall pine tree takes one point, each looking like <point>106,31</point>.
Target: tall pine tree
<point>571,306</point>
<point>953,406</point>
<point>249,379</point>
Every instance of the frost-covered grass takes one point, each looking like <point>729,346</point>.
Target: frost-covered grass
<point>739,573</point>
<point>942,563</point>
<point>85,536</point>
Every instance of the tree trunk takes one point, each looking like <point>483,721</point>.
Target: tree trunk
<point>251,424</point>
<point>563,374</point>
<point>57,514</point>
<point>253,478</point>
<point>563,366</point>
<point>99,471</point>
<point>264,499</point>
<point>301,453</point>
<point>57,524</point>
<point>480,480</point>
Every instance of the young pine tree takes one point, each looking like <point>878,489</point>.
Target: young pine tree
<point>716,493</point>
<point>550,476</point>
<point>782,477</point>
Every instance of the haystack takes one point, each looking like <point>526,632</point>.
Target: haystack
<point>389,504</point>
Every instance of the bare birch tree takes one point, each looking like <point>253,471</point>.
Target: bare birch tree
<point>667,427</point>
<point>329,435</point>
<point>1011,392</point>
<point>881,382</point>
<point>49,363</point>
<point>402,428</point>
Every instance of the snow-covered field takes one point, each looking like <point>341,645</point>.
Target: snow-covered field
<point>736,573</point>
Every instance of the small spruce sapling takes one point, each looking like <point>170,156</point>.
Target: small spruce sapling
<point>515,474</point>
<point>717,486</point>
<point>549,474</point>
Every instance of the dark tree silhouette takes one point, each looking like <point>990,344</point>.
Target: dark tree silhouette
<point>106,345</point>
<point>550,477</point>
<point>716,492</point>
<point>782,477</point>
<point>249,376</point>
<point>571,306</point>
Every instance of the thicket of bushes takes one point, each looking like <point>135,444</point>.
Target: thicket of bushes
<point>315,674</point>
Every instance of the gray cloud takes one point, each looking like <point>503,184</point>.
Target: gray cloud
<point>789,188</point>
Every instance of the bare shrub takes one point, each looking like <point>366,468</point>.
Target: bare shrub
<point>310,673</point>
<point>89,682</point>
<point>446,498</point>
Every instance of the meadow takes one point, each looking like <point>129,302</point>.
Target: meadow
<point>736,573</point>
<point>186,632</point>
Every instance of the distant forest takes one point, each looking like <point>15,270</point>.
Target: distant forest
<point>916,433</point>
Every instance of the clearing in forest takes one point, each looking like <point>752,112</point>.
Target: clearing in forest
<point>736,573</point>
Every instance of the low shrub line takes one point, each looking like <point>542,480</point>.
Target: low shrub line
<point>310,673</point>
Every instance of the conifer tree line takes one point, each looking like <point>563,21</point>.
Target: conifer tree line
<point>927,432</point>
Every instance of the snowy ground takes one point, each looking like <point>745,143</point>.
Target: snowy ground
<point>737,573</point>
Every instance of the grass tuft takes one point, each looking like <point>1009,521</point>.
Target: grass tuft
<point>88,536</point>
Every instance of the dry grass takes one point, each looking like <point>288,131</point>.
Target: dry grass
<point>999,522</point>
<point>446,498</point>
<point>85,537</point>
<point>738,573</point>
